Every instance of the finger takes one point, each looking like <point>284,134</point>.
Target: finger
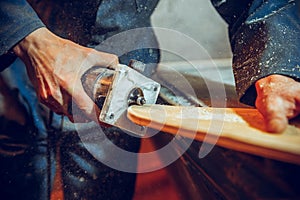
<point>297,99</point>
<point>106,59</point>
<point>96,58</point>
<point>86,107</point>
<point>70,110</point>
<point>84,102</point>
<point>76,115</point>
<point>274,112</point>
<point>274,108</point>
<point>277,123</point>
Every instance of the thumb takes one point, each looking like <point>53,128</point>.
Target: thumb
<point>274,113</point>
<point>276,122</point>
<point>103,59</point>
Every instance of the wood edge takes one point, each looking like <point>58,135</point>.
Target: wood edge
<point>221,141</point>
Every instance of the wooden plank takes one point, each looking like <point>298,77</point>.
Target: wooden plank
<point>240,129</point>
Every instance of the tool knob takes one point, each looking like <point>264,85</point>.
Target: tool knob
<point>136,97</point>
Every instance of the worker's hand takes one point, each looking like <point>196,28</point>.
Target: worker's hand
<point>278,100</point>
<point>55,67</point>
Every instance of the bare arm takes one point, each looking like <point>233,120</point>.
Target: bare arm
<point>55,66</point>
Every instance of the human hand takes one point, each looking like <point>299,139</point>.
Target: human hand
<point>278,100</point>
<point>55,66</point>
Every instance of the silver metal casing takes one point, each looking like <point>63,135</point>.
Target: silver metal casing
<point>114,110</point>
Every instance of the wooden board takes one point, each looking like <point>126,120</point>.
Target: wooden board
<point>240,129</point>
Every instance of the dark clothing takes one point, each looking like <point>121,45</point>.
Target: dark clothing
<point>30,152</point>
<point>263,34</point>
<point>86,22</point>
<point>17,20</point>
<point>264,37</point>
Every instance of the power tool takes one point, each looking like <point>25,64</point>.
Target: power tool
<point>114,90</point>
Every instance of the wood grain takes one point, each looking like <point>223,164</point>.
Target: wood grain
<point>240,129</point>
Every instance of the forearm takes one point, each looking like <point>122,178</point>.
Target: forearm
<point>55,67</point>
<point>17,20</point>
